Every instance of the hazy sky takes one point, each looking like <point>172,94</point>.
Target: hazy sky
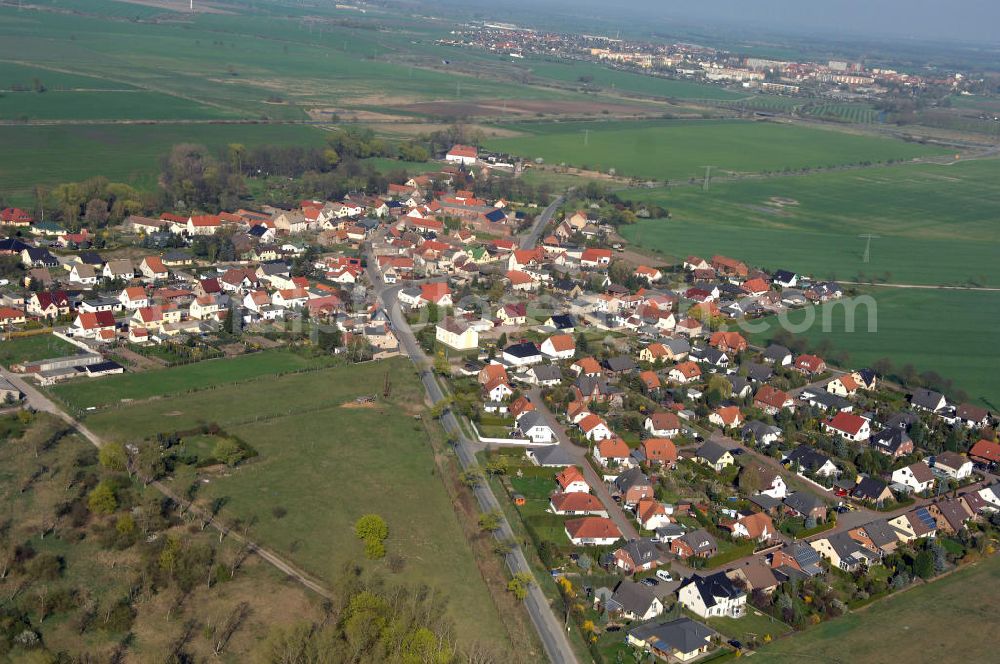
<point>951,20</point>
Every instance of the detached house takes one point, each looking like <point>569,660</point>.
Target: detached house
<point>152,268</point>
<point>634,601</point>
<point>99,325</point>
<point>133,297</point>
<point>952,465</point>
<point>559,347</point>
<point>119,269</point>
<point>697,543</point>
<point>809,364</point>
<point>663,425</point>
<point>532,425</point>
<point>633,486</point>
<point>637,556</point>
<point>726,417</point>
<point>660,451</point>
<point>757,527</point>
<point>592,531</point>
<point>571,480</point>
<point>715,455</point>
<point>684,372</point>
<point>576,503</point>
<point>916,477</point>
<point>610,452</point>
<point>49,304</point>
<point>848,426</point>
<point>712,596</point>
<point>771,400</point>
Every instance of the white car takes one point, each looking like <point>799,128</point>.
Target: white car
<point>664,575</point>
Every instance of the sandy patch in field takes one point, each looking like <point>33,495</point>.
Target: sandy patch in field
<point>521,107</point>
<point>200,7</point>
<point>173,413</point>
<point>358,404</point>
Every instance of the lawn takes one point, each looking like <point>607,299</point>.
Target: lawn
<point>934,330</point>
<point>52,155</point>
<point>936,224</point>
<point>949,620</point>
<point>325,462</point>
<point>35,347</point>
<point>752,624</point>
<point>110,390</point>
<point>681,149</point>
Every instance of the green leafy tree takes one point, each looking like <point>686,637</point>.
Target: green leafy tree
<point>228,451</point>
<point>102,499</point>
<point>113,457</point>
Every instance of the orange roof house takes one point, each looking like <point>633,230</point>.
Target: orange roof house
<point>660,450</point>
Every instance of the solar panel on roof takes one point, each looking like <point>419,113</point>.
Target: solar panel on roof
<point>925,517</point>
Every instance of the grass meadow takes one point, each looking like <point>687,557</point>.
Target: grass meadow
<point>947,620</point>
<point>112,390</point>
<point>325,463</point>
<point>679,150</point>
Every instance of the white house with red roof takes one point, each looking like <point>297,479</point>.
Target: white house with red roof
<point>559,347</point>
<point>97,325</point>
<point>133,297</point>
<point>592,531</point>
<point>849,426</point>
<point>465,155</point>
<point>571,480</point>
<point>594,427</point>
<point>612,452</point>
<point>152,267</point>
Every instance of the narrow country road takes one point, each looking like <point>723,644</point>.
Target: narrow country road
<point>551,630</point>
<point>541,221</point>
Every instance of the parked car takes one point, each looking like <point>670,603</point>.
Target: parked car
<point>664,575</point>
<point>650,581</point>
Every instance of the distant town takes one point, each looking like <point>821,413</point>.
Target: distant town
<point>834,79</point>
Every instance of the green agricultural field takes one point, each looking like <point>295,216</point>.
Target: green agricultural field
<point>325,462</point>
<point>18,76</point>
<point>37,347</point>
<point>949,620</point>
<point>587,73</point>
<point>934,330</point>
<point>679,150</point>
<point>103,105</point>
<point>251,62</point>
<point>51,155</point>
<point>111,390</point>
<point>936,224</point>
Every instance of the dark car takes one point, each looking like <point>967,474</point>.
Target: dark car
<point>650,582</point>
<point>736,644</point>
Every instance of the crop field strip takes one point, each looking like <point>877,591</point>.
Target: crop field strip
<point>682,149</point>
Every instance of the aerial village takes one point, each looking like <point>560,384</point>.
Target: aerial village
<point>666,470</point>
